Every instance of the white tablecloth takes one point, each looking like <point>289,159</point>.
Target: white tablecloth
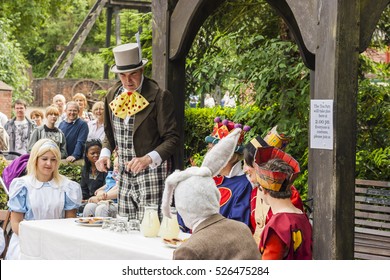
<point>64,239</point>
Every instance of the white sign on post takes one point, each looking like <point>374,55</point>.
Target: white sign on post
<point>321,124</point>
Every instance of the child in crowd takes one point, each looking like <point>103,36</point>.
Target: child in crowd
<point>288,233</point>
<point>36,117</point>
<point>49,130</point>
<point>104,202</point>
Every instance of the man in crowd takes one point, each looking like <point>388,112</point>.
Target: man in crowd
<point>140,123</point>
<point>19,128</point>
<point>75,130</point>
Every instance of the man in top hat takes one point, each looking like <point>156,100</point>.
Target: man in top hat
<point>140,123</point>
<point>288,233</point>
<point>260,211</point>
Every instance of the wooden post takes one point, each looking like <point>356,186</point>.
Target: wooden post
<point>108,37</point>
<point>168,74</point>
<point>332,171</point>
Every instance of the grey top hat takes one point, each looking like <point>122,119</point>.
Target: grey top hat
<point>127,58</point>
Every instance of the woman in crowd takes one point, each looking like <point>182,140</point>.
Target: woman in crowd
<point>49,130</point>
<point>43,193</point>
<point>59,101</point>
<point>91,178</point>
<point>81,100</point>
<point>96,127</point>
<point>104,202</point>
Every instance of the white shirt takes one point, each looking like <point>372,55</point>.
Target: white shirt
<point>95,132</point>
<point>3,119</point>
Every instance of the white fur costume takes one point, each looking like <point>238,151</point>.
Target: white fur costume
<point>196,195</point>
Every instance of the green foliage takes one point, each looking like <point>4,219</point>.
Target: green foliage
<point>13,65</point>
<point>199,123</point>
<point>373,164</point>
<point>240,49</point>
<point>58,30</point>
<point>72,171</point>
<point>373,123</point>
<point>28,17</point>
<point>3,195</point>
<point>87,66</point>
<point>219,54</point>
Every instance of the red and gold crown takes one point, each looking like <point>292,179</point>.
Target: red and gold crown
<point>278,140</point>
<point>274,180</point>
<point>223,128</point>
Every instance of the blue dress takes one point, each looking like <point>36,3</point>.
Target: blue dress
<point>41,200</point>
<point>235,199</point>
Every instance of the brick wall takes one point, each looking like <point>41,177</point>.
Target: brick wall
<point>45,89</point>
<point>5,99</point>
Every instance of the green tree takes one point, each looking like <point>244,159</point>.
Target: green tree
<point>13,65</point>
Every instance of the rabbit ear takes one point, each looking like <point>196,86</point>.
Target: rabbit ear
<point>176,178</point>
<point>167,199</point>
<point>218,157</point>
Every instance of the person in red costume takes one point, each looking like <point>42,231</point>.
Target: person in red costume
<point>288,233</point>
<point>261,212</point>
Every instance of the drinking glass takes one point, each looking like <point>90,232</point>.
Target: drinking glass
<point>121,224</point>
<point>107,223</point>
<point>134,225</point>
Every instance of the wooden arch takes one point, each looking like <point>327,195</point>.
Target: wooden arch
<point>330,34</point>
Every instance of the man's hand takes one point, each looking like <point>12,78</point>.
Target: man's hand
<point>138,164</point>
<point>70,159</point>
<point>103,164</point>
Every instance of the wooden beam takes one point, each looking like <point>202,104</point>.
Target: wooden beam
<point>332,171</point>
<point>370,12</point>
<point>109,12</point>
<point>187,17</point>
<point>298,15</point>
<point>169,74</point>
<point>142,6</point>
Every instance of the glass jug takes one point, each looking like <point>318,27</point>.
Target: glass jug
<point>169,226</point>
<point>150,223</point>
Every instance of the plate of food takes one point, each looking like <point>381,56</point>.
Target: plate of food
<point>90,222</point>
<point>174,242</point>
